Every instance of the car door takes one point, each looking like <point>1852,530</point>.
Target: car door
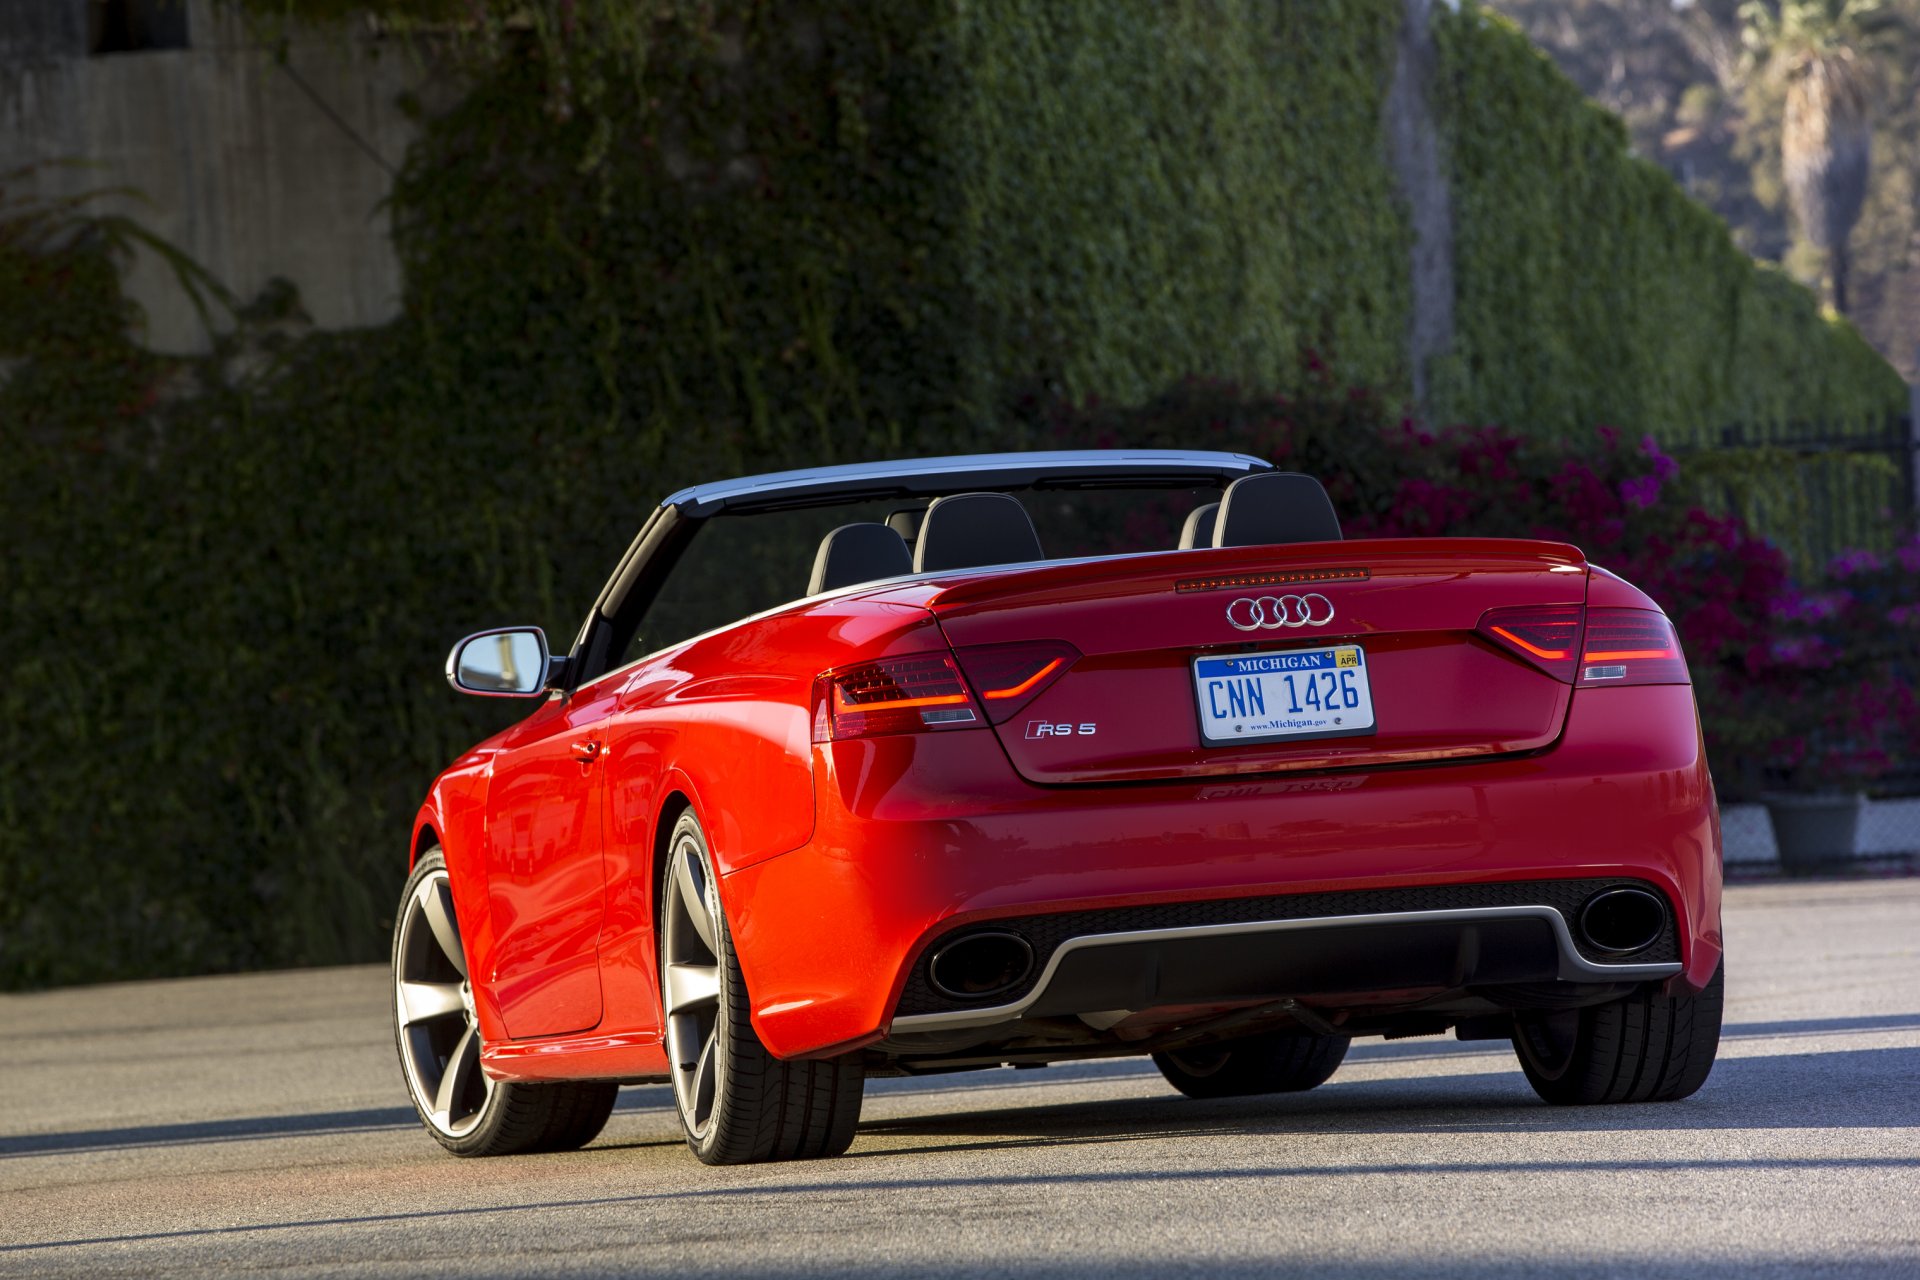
<point>545,880</point>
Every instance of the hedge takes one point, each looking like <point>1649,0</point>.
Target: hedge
<point>1592,289</point>
<point>809,232</point>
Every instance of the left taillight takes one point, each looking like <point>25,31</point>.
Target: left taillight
<point>1009,676</point>
<point>917,693</point>
<point>1547,636</point>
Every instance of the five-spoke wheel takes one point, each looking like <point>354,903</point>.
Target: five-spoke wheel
<point>737,1102</point>
<point>690,981</point>
<point>438,1035</point>
<point>433,1011</point>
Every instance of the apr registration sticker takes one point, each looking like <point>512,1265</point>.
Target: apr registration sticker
<point>1296,693</point>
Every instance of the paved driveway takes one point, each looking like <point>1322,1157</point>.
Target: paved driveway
<point>256,1124</point>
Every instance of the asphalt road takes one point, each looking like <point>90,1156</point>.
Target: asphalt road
<point>252,1125</point>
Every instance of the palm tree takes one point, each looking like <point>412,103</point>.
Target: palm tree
<point>1820,52</point>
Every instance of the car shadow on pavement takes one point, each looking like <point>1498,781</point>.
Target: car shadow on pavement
<point>317,1124</point>
<point>1860,1088</point>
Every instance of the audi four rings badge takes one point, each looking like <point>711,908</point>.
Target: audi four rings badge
<point>1270,613</point>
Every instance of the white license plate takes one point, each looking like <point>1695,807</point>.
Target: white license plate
<point>1291,693</point>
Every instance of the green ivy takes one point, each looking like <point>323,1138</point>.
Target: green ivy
<point>1591,289</point>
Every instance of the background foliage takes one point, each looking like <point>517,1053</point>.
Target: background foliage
<point>1606,294</point>
<point>768,235</point>
<point>1697,103</point>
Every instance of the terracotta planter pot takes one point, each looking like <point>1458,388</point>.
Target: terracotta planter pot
<point>1815,832</point>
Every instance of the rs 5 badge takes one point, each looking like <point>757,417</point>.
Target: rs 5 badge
<point>1051,729</point>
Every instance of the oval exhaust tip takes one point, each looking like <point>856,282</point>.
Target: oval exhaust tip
<point>981,965</point>
<point>1622,921</point>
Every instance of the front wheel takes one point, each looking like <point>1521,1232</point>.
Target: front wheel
<point>1645,1047</point>
<point>738,1103</point>
<point>1277,1062</point>
<point>438,1037</point>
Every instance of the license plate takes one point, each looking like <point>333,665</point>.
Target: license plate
<point>1292,693</point>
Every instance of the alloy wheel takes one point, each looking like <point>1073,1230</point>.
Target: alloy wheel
<point>433,1005</point>
<point>690,981</point>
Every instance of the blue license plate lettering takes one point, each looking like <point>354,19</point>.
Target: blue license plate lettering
<point>1301,693</point>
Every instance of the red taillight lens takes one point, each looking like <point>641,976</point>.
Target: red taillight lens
<point>1591,647</point>
<point>1009,676</point>
<point>1631,646</point>
<point>894,695</point>
<point>1547,636</point>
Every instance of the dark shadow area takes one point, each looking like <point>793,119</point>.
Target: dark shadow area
<point>1856,1089</point>
<point>319,1124</point>
<point>1860,1088</point>
<point>1433,1046</point>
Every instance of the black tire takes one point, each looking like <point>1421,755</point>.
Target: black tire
<point>437,1037</point>
<point>1277,1062</point>
<point>1645,1047</point>
<point>738,1104</point>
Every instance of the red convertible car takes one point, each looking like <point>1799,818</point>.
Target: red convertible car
<point>957,763</point>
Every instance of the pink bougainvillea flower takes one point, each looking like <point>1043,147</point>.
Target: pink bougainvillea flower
<point>1849,563</point>
<point>1640,492</point>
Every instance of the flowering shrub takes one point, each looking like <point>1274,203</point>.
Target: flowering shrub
<point>1796,687</point>
<point>1840,677</point>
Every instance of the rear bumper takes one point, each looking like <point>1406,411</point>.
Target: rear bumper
<point>919,836</point>
<point>1298,945</point>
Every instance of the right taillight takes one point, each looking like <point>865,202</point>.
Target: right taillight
<point>910,694</point>
<point>1631,646</point>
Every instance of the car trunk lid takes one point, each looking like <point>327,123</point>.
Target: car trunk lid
<point>1179,662</point>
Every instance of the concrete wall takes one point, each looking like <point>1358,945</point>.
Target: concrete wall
<point>1415,151</point>
<point>252,174</point>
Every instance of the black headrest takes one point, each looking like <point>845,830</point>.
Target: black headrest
<point>856,553</point>
<point>1198,530</point>
<point>966,530</point>
<point>1275,506</point>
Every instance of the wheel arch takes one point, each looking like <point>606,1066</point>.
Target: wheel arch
<point>676,802</point>
<point>681,795</point>
<point>426,836</point>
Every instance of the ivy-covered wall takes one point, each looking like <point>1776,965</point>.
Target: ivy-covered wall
<point>1590,287</point>
<point>809,232</point>
<point>837,230</point>
<point>1150,190</point>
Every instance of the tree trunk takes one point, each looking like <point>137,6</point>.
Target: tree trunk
<point>1826,153</point>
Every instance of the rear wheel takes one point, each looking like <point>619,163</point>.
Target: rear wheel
<point>438,1038</point>
<point>1277,1062</point>
<point>738,1103</point>
<point>1645,1047</point>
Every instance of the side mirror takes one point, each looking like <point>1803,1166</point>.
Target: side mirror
<point>508,663</point>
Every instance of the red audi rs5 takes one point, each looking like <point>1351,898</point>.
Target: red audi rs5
<point>956,763</point>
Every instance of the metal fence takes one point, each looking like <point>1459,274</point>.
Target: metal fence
<point>1816,492</point>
